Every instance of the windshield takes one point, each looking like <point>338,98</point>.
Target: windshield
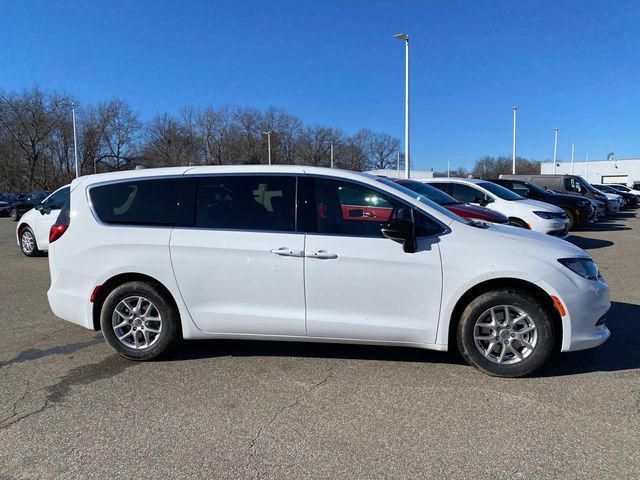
<point>500,191</point>
<point>428,191</point>
<point>421,198</point>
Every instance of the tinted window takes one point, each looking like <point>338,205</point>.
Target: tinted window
<point>428,191</point>
<point>521,189</point>
<point>143,202</point>
<point>247,202</point>
<point>573,185</point>
<point>58,199</point>
<point>466,193</point>
<point>500,191</point>
<point>345,208</point>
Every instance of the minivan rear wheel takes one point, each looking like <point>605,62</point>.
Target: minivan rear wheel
<point>138,321</point>
<point>506,333</point>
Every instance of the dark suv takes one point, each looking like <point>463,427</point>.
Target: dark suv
<point>630,200</point>
<point>21,206</point>
<point>579,210</point>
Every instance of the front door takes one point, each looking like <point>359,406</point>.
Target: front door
<point>358,284</point>
<point>240,267</point>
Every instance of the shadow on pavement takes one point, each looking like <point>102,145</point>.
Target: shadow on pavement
<point>589,243</point>
<point>620,352</point>
<point>190,350</point>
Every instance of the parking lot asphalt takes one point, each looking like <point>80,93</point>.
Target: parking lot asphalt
<point>70,407</point>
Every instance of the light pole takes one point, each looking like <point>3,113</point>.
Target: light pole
<point>75,141</point>
<point>573,148</point>
<point>555,150</point>
<point>448,167</point>
<point>514,139</point>
<point>268,134</point>
<point>586,167</point>
<point>405,38</point>
<point>331,145</point>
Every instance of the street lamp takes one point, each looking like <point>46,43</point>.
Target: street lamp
<point>555,150</point>
<point>268,134</point>
<point>331,145</point>
<point>405,38</point>
<point>75,141</point>
<point>514,139</point>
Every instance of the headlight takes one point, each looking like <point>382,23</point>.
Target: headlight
<point>546,215</point>
<point>585,267</point>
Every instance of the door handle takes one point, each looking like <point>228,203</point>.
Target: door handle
<point>321,254</point>
<point>287,252</point>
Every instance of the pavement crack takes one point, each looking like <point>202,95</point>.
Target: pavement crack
<point>252,446</point>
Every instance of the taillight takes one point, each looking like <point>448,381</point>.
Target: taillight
<point>56,232</point>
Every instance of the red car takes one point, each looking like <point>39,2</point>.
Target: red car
<point>450,203</point>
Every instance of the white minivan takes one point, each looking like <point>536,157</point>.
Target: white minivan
<point>316,255</point>
<point>32,232</point>
<point>522,212</point>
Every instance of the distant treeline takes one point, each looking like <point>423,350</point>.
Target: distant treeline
<point>36,140</point>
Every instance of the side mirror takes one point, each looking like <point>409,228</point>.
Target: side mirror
<point>40,207</point>
<point>401,231</point>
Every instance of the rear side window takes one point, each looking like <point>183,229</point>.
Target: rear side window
<point>573,185</point>
<point>247,202</point>
<point>159,202</point>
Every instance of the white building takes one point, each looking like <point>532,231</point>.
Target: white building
<point>394,173</point>
<point>625,171</point>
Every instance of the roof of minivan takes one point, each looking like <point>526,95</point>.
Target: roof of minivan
<point>212,169</point>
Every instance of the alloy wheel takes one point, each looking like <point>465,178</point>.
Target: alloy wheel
<point>505,334</point>
<point>27,242</point>
<point>136,322</point>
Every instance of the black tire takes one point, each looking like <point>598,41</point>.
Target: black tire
<point>28,243</point>
<point>14,214</point>
<point>572,218</point>
<point>516,222</point>
<point>159,344</point>
<point>519,300</point>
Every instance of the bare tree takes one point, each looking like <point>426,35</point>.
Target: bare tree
<point>382,150</point>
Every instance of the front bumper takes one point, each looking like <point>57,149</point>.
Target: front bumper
<point>585,215</point>
<point>585,302</point>
<point>556,226</point>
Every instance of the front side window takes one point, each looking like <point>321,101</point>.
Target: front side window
<point>467,194</point>
<point>58,199</point>
<point>345,208</point>
<point>141,202</point>
<point>573,185</point>
<point>522,189</point>
<point>247,202</point>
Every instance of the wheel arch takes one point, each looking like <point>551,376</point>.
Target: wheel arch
<point>112,283</point>
<point>497,283</point>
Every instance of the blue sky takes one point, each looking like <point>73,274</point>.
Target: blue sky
<point>574,65</point>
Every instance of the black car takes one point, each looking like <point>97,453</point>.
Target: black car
<point>579,210</point>
<point>20,206</point>
<point>630,200</point>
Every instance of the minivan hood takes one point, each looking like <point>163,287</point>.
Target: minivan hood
<point>536,243</point>
<point>542,206</point>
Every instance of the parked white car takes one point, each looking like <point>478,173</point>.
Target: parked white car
<point>32,232</point>
<point>522,212</point>
<point>316,255</point>
<point>614,201</point>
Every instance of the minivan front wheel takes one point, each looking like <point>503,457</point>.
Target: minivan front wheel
<point>506,333</point>
<point>138,321</point>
